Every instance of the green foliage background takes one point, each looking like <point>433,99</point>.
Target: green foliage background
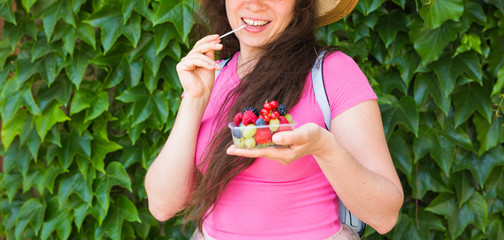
<point>89,99</point>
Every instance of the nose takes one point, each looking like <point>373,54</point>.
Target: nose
<point>255,5</point>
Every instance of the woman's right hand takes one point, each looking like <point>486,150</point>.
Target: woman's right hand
<point>196,70</point>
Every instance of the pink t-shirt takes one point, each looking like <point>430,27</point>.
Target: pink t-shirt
<point>270,200</point>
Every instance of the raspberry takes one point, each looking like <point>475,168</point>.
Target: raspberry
<point>251,109</point>
<point>282,109</point>
<point>263,136</point>
<point>238,119</point>
<point>249,117</point>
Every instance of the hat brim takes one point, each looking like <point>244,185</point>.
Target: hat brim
<point>343,8</point>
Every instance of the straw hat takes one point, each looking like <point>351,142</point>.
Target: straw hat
<point>330,11</point>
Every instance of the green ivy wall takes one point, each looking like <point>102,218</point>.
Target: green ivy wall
<point>89,93</point>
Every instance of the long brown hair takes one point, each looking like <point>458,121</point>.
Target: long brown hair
<point>279,75</point>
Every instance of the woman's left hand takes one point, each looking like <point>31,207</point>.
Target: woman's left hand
<point>307,139</point>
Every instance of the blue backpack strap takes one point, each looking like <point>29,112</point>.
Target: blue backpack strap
<point>222,64</point>
<point>345,215</point>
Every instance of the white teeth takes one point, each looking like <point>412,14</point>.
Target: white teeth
<point>255,23</point>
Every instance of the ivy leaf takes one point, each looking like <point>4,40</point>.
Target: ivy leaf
<point>464,186</point>
<point>141,7</point>
<point>77,65</point>
<point>14,32</point>
<point>130,71</point>
<point>10,185</point>
<point>499,4</point>
<point>7,13</point>
<point>403,112</point>
<point>489,134</point>
<point>163,33</point>
<point>471,98</point>
<point>55,11</point>
<point>122,210</point>
<point>499,85</point>
<point>110,22</point>
<point>57,221</point>
<point>5,51</point>
<point>32,212</point>
<point>13,128</point>
<point>481,166</point>
<point>75,183</point>
<point>50,116</point>
<point>389,25</point>
<point>114,175</point>
<point>407,228</point>
<point>430,43</point>
<point>401,154</point>
<point>495,227</point>
<point>427,178</point>
<point>101,147</point>
<point>144,104</point>
<point>101,104</point>
<point>73,144</point>
<point>428,85</point>
<point>368,6</point>
<point>437,12</point>
<point>27,4</point>
<point>177,12</point>
<point>60,91</point>
<point>475,209</point>
<point>407,64</point>
<point>440,144</point>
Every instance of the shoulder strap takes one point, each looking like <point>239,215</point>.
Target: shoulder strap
<point>319,89</point>
<point>345,215</point>
<point>222,64</point>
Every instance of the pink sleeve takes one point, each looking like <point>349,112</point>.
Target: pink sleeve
<point>345,83</point>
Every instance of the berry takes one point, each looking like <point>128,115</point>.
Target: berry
<point>267,106</point>
<point>237,133</point>
<point>260,122</point>
<point>285,128</point>
<point>267,118</point>
<point>249,117</point>
<point>263,136</point>
<point>249,131</point>
<point>251,109</point>
<point>283,120</point>
<point>264,111</point>
<point>274,104</point>
<point>288,117</point>
<point>274,115</point>
<point>282,109</point>
<point>274,125</point>
<point>250,142</point>
<point>238,119</point>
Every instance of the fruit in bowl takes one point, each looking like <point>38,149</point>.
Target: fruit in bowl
<point>253,129</point>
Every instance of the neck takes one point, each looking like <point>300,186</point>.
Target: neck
<point>246,61</point>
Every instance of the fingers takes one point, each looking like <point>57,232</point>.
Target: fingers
<point>207,45</point>
<point>302,135</point>
<point>194,60</point>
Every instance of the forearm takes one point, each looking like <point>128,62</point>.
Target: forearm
<point>168,180</point>
<point>372,197</point>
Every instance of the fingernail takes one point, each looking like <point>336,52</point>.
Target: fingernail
<point>218,45</point>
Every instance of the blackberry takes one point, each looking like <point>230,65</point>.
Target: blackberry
<point>282,109</point>
<point>251,109</point>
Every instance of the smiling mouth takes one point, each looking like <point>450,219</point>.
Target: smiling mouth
<point>255,23</point>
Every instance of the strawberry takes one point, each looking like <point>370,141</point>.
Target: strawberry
<point>249,117</point>
<point>283,120</point>
<point>238,119</point>
<point>263,136</point>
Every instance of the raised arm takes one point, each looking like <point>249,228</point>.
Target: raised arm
<point>168,179</point>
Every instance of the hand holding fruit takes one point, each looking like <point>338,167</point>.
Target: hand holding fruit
<point>197,69</point>
<point>307,139</point>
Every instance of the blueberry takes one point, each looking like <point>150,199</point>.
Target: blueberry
<point>237,133</point>
<point>260,122</point>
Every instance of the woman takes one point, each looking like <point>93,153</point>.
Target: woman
<point>274,193</point>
